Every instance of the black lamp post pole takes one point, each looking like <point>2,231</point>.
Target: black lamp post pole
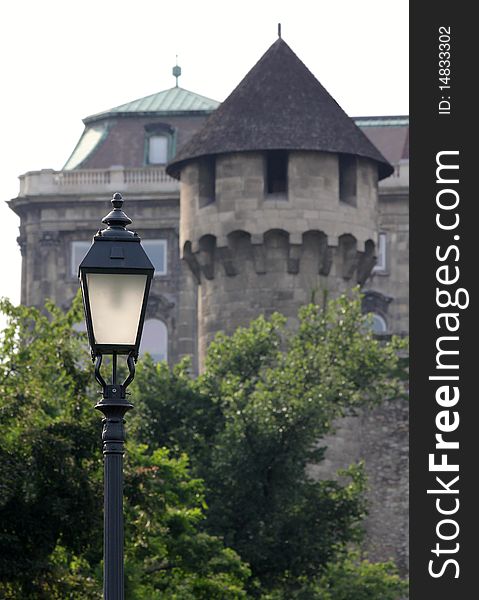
<point>113,406</point>
<point>115,265</point>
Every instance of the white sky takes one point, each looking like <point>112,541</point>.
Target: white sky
<point>62,61</point>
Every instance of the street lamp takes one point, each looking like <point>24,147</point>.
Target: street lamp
<point>115,278</point>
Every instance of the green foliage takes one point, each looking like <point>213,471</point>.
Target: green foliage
<point>251,424</point>
<point>51,492</point>
<point>230,510</point>
<point>48,453</point>
<point>361,581</point>
<point>167,556</point>
<point>348,579</point>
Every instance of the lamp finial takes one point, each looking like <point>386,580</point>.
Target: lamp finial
<point>116,220</point>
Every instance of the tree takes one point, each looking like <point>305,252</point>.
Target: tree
<point>251,424</point>
<point>51,485</point>
<point>348,579</point>
<point>167,554</point>
<point>219,502</point>
<point>48,451</point>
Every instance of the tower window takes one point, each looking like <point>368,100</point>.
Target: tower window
<point>276,172</point>
<point>347,178</point>
<point>157,150</point>
<point>206,181</point>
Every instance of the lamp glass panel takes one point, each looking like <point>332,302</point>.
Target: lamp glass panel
<point>115,305</point>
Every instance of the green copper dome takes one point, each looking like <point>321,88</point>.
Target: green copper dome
<point>175,100</point>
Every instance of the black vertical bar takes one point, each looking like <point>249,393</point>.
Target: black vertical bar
<point>113,583</point>
<point>114,371</point>
<point>113,406</point>
<point>444,513</point>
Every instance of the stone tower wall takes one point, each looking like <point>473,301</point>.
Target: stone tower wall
<point>380,438</point>
<point>253,254</point>
<point>312,202</point>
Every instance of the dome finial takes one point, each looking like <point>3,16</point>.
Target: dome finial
<point>279,30</point>
<point>176,71</point>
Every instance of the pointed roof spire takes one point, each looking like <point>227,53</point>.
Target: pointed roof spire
<point>279,105</point>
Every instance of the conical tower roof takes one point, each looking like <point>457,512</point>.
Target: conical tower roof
<point>279,105</point>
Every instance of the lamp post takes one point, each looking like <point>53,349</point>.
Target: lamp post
<point>115,278</point>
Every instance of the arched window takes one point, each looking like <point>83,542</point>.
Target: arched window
<point>378,324</point>
<point>155,339</point>
<point>375,305</point>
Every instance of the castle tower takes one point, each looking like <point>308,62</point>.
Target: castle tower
<point>279,205</point>
<point>279,197</point>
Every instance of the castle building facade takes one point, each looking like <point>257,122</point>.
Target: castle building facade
<point>263,203</point>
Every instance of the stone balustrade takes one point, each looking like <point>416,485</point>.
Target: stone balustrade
<point>101,181</point>
<point>143,179</point>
